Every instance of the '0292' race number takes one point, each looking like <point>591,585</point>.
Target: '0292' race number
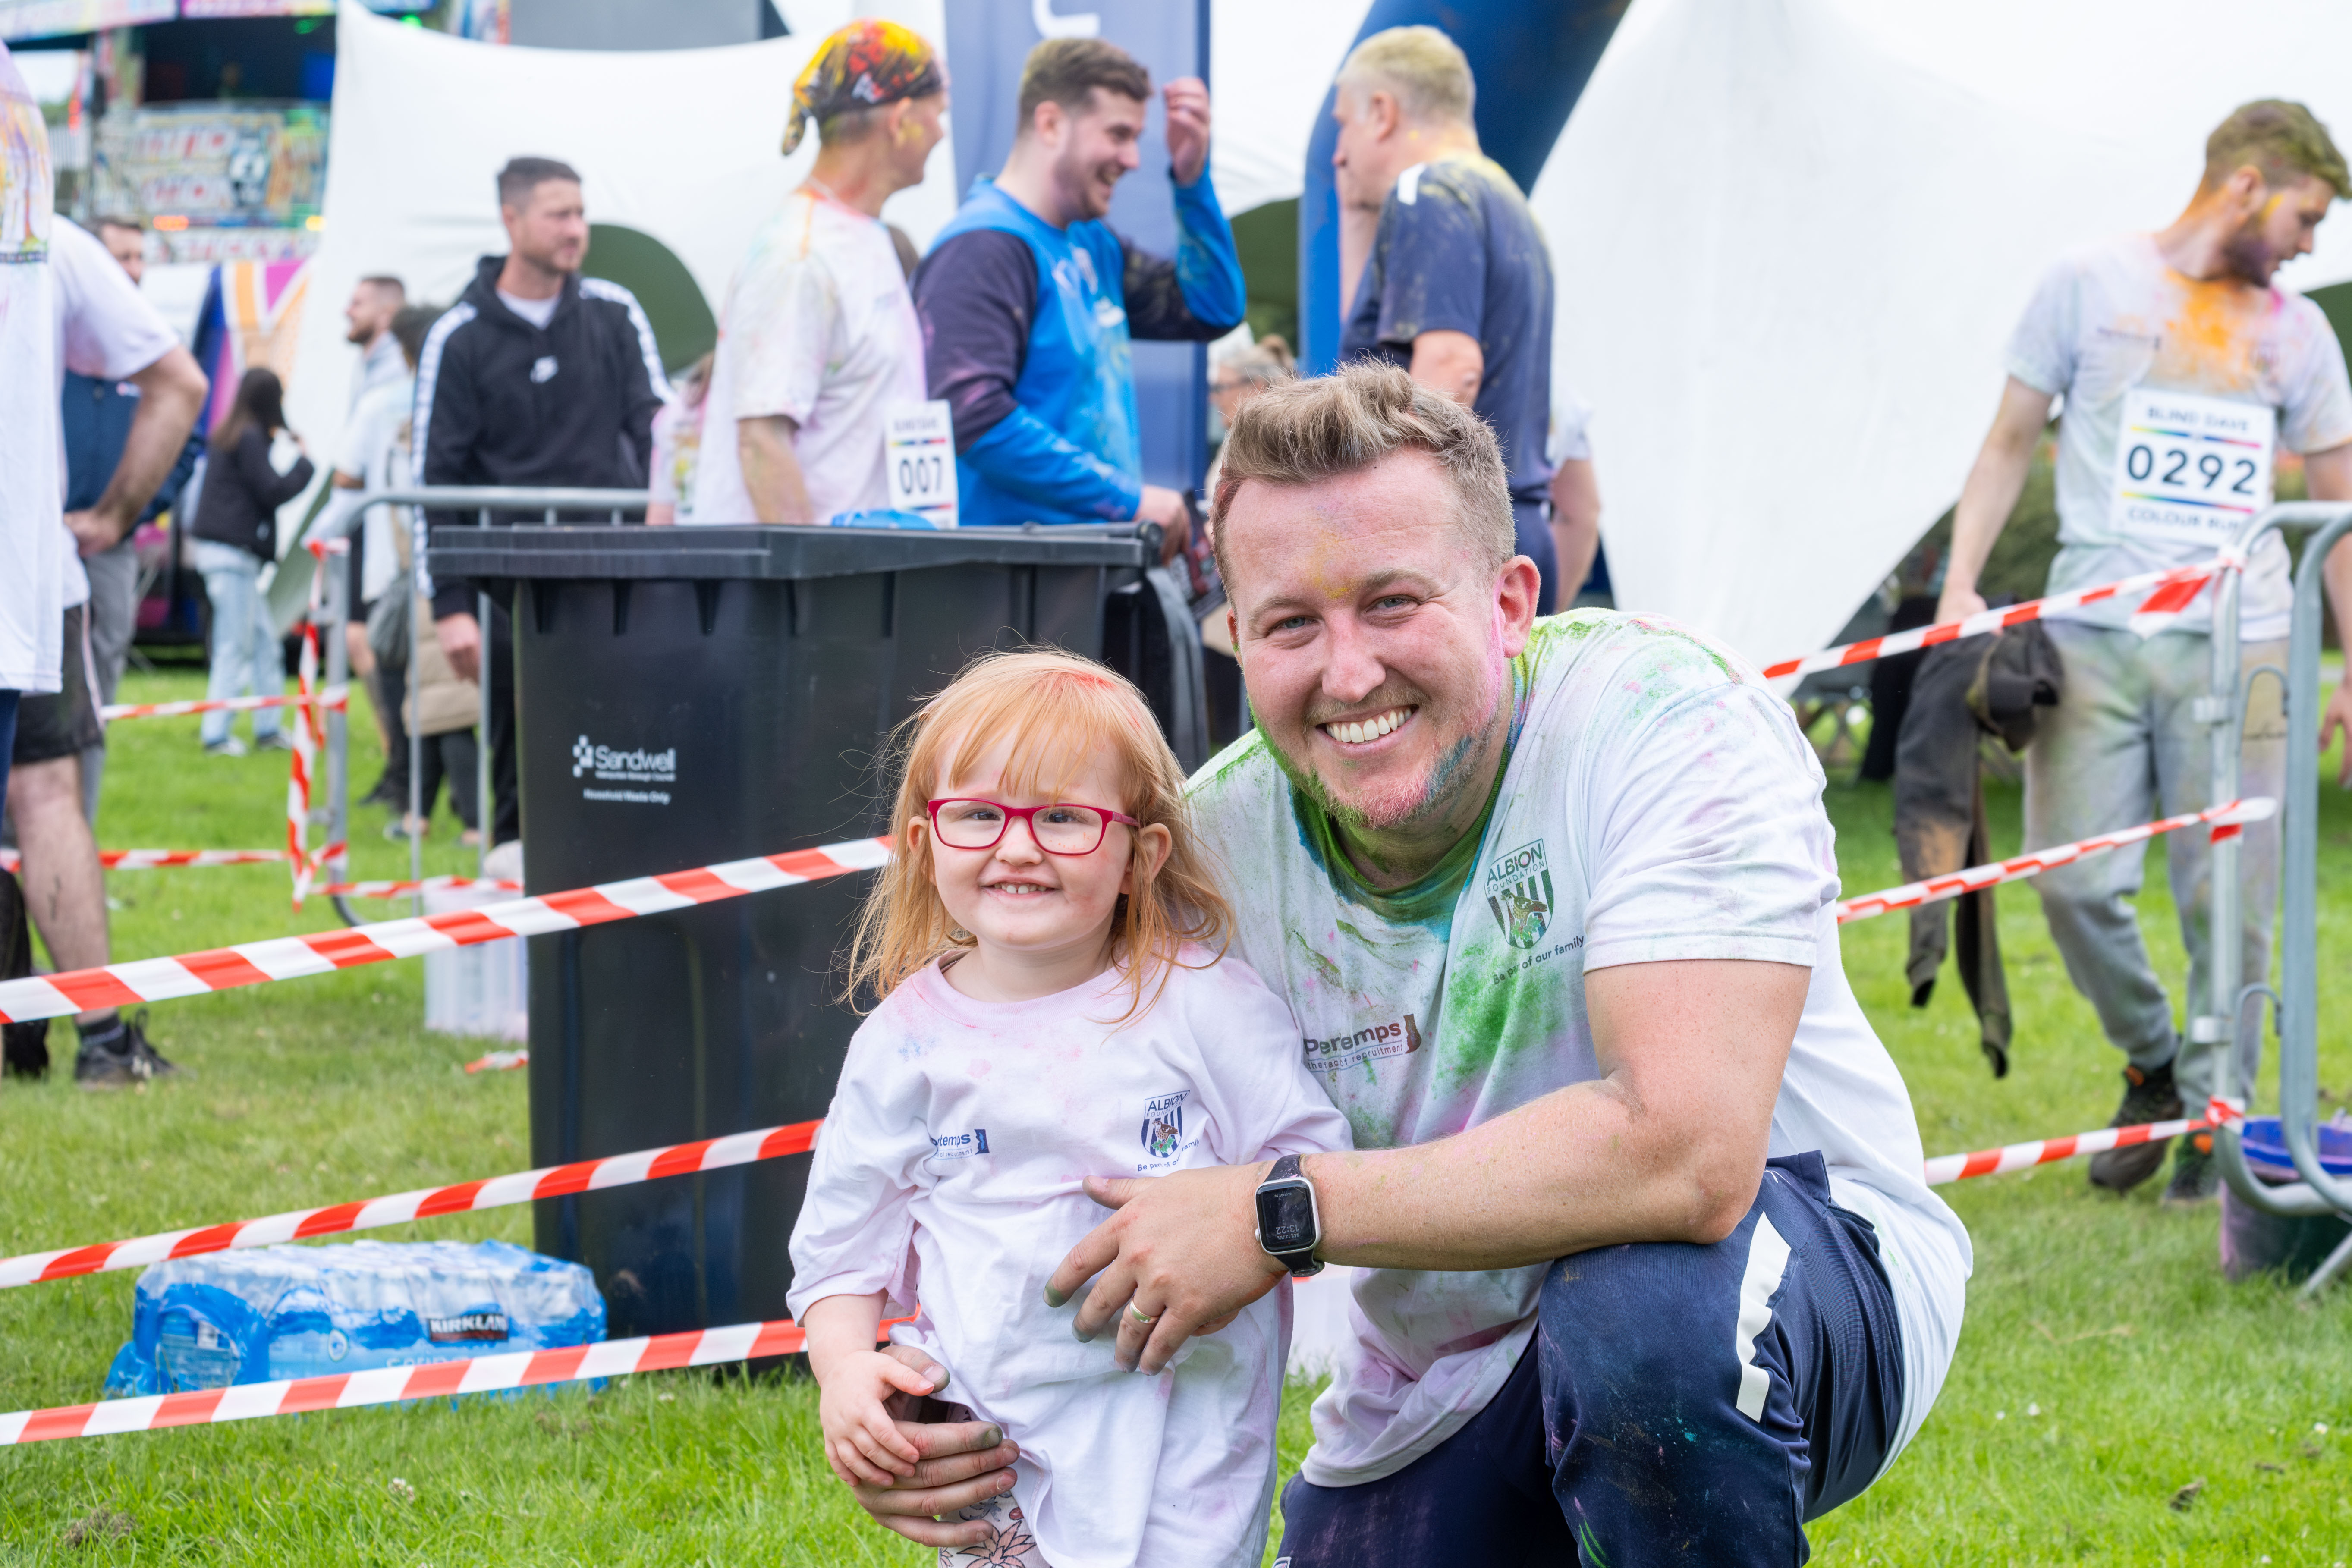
<point>2189,469</point>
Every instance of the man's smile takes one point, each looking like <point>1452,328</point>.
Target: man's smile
<point>1353,733</point>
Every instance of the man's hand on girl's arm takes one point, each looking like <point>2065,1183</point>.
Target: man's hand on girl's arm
<point>1668,1144</point>
<point>861,1442</point>
<point>960,1464</point>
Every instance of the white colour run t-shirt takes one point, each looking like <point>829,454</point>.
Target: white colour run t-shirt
<point>1659,804</point>
<point>818,328</point>
<point>32,458</point>
<point>107,330</point>
<point>948,1171</point>
<point>2111,322</point>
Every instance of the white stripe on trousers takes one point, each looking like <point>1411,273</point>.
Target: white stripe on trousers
<point>1768,1261</point>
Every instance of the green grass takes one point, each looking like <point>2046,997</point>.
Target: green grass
<point>2109,1318</point>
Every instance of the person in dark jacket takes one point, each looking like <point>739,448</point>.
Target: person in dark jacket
<point>536,376</point>
<point>97,414</point>
<point>237,535</point>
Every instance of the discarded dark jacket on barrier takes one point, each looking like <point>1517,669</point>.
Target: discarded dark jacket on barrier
<point>1978,686</point>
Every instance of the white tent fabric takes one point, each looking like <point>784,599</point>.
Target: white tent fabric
<point>680,144</point>
<point>1269,68</point>
<point>1792,238</point>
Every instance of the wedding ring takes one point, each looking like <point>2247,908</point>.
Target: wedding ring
<point>1140,1320</point>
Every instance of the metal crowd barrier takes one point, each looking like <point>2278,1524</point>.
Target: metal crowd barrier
<point>2296,1010</point>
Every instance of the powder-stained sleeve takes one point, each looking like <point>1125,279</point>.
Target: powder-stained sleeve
<point>2318,412</point>
<point>1432,255</point>
<point>2042,350</point>
<point>1705,807</point>
<point>1267,1103</point>
<point>1200,295</point>
<point>855,1233</point>
<point>977,298</point>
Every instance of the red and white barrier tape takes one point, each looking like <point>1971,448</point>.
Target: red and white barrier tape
<point>395,1385</point>
<point>336,697</point>
<point>152,859</point>
<point>323,953</point>
<point>401,1208</point>
<point>2174,589</point>
<point>402,889</point>
<point>2228,821</point>
<point>1945,1168</point>
<point>500,1061</point>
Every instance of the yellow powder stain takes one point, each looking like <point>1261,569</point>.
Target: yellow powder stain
<point>2212,342</point>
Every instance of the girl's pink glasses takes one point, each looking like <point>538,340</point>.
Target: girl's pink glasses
<point>1059,829</point>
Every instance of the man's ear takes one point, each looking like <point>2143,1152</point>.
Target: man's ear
<point>1515,603</point>
<point>1382,113</point>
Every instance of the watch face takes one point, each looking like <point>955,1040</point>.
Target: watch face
<point>1285,1218</point>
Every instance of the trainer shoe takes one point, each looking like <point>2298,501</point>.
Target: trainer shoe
<point>2149,1095</point>
<point>2196,1178</point>
<point>230,747</point>
<point>276,740</point>
<point>119,1057</point>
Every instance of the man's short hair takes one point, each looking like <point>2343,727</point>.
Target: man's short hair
<point>387,285</point>
<point>117,220</point>
<point>523,175</point>
<point>1424,71</point>
<point>1067,71</point>
<point>1305,432</point>
<point>2283,140</point>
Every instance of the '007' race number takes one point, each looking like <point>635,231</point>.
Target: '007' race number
<point>2191,470</point>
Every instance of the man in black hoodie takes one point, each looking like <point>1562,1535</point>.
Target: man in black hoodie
<point>536,376</point>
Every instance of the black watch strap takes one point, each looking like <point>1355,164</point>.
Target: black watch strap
<point>1303,1263</point>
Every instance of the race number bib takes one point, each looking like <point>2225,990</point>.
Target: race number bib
<point>918,448</point>
<point>2191,470</point>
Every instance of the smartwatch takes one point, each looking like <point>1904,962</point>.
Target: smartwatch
<point>1289,1227</point>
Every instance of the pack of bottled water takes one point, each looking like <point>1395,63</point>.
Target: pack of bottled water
<point>309,1311</point>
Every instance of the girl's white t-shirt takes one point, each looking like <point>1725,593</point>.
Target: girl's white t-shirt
<point>949,1171</point>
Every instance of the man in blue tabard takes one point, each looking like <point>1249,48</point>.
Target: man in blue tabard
<point>1028,299</point>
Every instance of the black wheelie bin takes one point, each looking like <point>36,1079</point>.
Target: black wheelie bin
<point>691,695</point>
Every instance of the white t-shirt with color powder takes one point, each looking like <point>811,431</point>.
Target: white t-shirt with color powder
<point>1659,804</point>
<point>2113,318</point>
<point>365,450</point>
<point>819,328</point>
<point>32,456</point>
<point>948,1171</point>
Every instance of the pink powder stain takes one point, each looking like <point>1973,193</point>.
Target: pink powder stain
<point>981,1068</point>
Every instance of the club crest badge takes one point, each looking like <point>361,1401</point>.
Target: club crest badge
<point>1518,891</point>
<point>1164,1124</point>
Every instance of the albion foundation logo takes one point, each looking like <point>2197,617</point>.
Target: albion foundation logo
<point>1518,889</point>
<point>639,766</point>
<point>1163,1123</point>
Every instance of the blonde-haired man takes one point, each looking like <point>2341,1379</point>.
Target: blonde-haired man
<point>1443,261</point>
<point>2144,335</point>
<point>1647,1271</point>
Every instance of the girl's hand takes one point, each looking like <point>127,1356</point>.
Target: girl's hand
<point>862,1443</point>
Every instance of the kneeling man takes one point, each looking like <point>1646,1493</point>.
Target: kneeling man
<point>1648,1268</point>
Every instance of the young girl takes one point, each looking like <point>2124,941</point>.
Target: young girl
<point>1046,944</point>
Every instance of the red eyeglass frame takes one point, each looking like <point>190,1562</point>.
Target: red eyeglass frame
<point>1026,813</point>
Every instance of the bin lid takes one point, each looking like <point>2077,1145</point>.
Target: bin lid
<point>603,552</point>
<point>2265,1143</point>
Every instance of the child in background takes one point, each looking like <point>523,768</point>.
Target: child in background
<point>678,446</point>
<point>1047,946</point>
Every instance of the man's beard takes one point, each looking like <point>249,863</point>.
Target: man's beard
<point>360,335</point>
<point>1405,802</point>
<point>2249,256</point>
<point>1078,179</point>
